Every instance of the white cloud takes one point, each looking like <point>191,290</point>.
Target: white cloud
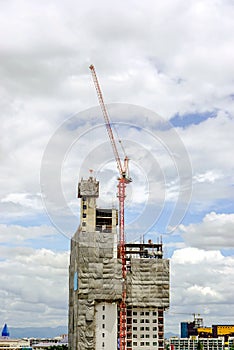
<point>208,176</point>
<point>34,283</point>
<point>201,282</point>
<point>24,199</point>
<point>16,234</point>
<point>214,232</point>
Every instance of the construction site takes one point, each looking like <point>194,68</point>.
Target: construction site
<point>118,290</point>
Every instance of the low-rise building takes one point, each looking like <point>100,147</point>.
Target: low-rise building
<point>231,343</point>
<point>49,345</point>
<point>8,343</point>
<point>192,343</point>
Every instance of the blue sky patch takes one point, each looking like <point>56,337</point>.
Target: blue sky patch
<point>191,118</point>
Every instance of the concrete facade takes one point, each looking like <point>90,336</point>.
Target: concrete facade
<point>7,344</point>
<point>191,343</point>
<point>106,320</point>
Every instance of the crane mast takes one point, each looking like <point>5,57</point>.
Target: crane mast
<point>123,180</point>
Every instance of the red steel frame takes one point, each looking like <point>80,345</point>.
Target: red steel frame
<point>123,180</point>
<point>122,306</point>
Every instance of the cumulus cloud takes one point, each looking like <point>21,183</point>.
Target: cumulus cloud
<point>199,284</point>
<point>34,287</point>
<point>214,232</point>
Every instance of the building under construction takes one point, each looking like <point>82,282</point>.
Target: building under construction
<point>96,283</point>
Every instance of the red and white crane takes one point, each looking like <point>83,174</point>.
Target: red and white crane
<point>123,180</point>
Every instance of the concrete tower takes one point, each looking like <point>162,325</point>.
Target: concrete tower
<point>95,275</point>
<point>95,282</point>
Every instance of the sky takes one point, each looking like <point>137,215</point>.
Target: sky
<point>166,72</point>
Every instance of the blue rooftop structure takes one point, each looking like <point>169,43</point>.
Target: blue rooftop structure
<point>5,331</point>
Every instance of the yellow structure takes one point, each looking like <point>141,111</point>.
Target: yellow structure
<point>204,330</point>
<point>225,330</point>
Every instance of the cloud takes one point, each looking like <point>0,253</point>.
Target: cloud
<point>180,66</point>
<point>23,199</point>
<point>214,232</point>
<point>208,176</point>
<point>19,235</point>
<point>199,285</point>
<point>34,287</point>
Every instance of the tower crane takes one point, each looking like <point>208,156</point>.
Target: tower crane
<point>123,180</point>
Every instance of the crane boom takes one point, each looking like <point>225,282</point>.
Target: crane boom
<point>106,117</point>
<point>123,180</point>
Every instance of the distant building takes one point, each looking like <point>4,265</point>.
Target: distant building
<point>205,332</point>
<point>225,331</point>
<point>231,343</point>
<point>14,344</point>
<point>216,337</point>
<point>45,346</point>
<point>192,343</point>
<point>191,328</point>
<point>6,343</point>
<point>196,328</point>
<point>46,343</point>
